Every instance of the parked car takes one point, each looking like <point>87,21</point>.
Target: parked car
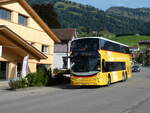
<point>136,68</point>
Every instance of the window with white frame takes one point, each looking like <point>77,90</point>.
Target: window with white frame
<point>44,49</point>
<point>22,19</point>
<point>5,14</point>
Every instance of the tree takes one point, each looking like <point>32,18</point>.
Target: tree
<point>47,13</point>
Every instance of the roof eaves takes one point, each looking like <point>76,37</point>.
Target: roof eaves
<point>37,54</point>
<point>6,1</point>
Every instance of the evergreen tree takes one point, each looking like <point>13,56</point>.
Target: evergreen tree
<point>48,14</point>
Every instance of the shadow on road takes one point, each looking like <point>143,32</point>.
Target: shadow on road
<point>68,86</point>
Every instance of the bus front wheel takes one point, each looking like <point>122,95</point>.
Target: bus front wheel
<point>109,81</point>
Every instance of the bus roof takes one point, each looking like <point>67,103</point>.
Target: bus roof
<point>101,38</point>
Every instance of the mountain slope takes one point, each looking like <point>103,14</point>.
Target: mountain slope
<point>118,20</point>
<point>76,15</point>
<point>128,40</point>
<point>128,20</point>
<point>138,13</point>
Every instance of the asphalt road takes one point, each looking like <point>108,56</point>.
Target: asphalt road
<point>132,96</point>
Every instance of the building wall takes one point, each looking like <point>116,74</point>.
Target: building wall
<point>16,9</point>
<point>59,54</point>
<point>58,60</point>
<point>32,33</point>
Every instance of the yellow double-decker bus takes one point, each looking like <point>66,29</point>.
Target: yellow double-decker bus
<point>99,61</point>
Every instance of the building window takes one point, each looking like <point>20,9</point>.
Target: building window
<point>44,49</point>
<point>5,14</point>
<point>22,20</point>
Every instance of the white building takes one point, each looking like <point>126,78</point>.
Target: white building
<point>61,50</point>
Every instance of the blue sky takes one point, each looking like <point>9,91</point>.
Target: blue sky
<point>105,4</point>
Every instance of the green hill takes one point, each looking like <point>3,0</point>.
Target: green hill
<point>118,20</point>
<point>137,13</point>
<point>122,20</point>
<point>130,40</point>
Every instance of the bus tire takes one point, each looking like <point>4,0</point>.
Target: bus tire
<point>124,77</point>
<point>109,81</point>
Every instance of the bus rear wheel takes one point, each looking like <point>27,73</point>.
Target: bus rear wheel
<point>124,77</point>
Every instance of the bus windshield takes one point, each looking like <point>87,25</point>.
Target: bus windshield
<point>85,64</point>
<point>85,57</point>
<point>89,44</point>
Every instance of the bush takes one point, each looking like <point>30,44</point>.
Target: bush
<point>41,78</point>
<point>61,72</point>
<point>31,78</point>
<point>18,83</point>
